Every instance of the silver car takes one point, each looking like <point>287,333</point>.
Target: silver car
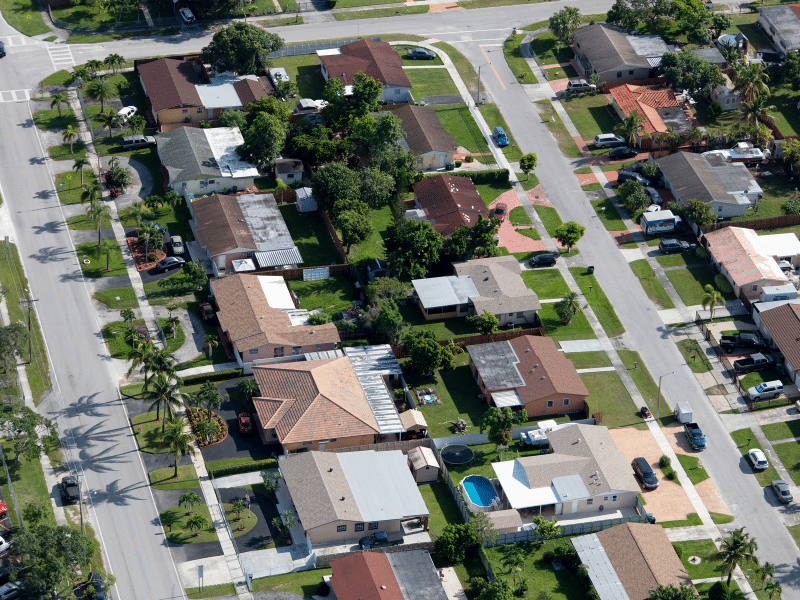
<point>177,244</point>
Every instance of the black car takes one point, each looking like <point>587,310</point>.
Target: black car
<point>669,246</point>
<point>171,262</point>
<point>98,584</point>
<point>655,197</point>
<point>158,226</point>
<point>70,491</point>
<point>421,53</point>
<point>626,175</point>
<point>542,260</point>
<point>643,471</point>
<point>2,49</point>
<point>622,153</point>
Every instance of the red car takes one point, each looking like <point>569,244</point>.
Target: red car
<point>245,423</point>
<point>500,211</point>
<point>207,311</point>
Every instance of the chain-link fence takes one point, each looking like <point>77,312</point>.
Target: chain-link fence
<point>300,49</point>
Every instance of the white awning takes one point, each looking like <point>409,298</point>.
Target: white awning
<point>506,398</point>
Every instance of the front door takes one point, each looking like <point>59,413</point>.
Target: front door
<point>574,507</point>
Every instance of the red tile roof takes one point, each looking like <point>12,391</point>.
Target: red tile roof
<point>376,59</point>
<point>644,99</point>
<point>364,576</point>
<point>170,83</point>
<point>450,201</point>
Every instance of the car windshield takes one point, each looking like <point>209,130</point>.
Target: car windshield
<point>761,387</point>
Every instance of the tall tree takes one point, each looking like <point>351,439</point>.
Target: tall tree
<point>248,387</point>
<point>233,118</point>
<point>688,70</point>
<point>630,127</point>
<point>567,307</point>
<point>136,124</point>
<point>264,139</point>
<point>454,541</point>
<point>528,163</point>
<point>107,246</point>
<point>165,395</point>
<point>424,351</point>
<point>69,135</point>
<point>564,22</point>
<point>79,165</point>
<point>242,48</point>
<point>176,439</point>
<point>13,343</point>
<point>355,227</point>
<point>93,192</point>
<point>210,342</point>
<point>418,247</point>
<point>140,355</point>
<point>569,233</point>
<point>115,61</point>
<point>737,549</point>
<point>189,499</point>
<point>756,111</point>
<point>376,187</point>
<point>485,322</point>
<point>499,424</point>
<point>700,213</point>
<point>388,324</point>
<point>57,100</point>
<point>207,396</point>
<point>366,96</point>
<point>334,182</point>
<point>25,429</point>
<point>711,298</point>
<point>95,213</point>
<point>102,90</point>
<point>772,588</point>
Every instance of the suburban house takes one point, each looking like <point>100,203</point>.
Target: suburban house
<point>409,575</point>
<point>491,284</point>
<point>750,261</point>
<point>329,399</point>
<point>179,92</point>
<point>584,473</point>
<point>432,144</point>
<point>528,372</point>
<point>242,232</point>
<point>615,55</point>
<point>258,316</point>
<point>289,170</point>
<point>204,161</point>
<point>343,496</point>
<point>632,558</point>
<point>447,202</point>
<point>373,58</point>
<point>712,55</point>
<point>781,325</point>
<point>781,24</point>
<point>726,95</point>
<point>655,103</point>
<point>726,186</point>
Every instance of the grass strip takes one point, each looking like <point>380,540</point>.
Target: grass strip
<point>597,299</point>
<point>651,284</point>
<point>745,441</point>
<point>380,12</point>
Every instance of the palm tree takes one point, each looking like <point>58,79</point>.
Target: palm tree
<point>92,192</point>
<point>515,561</point>
<point>756,111</point>
<point>207,428</point>
<point>248,387</point>
<point>177,439</point>
<point>93,65</point>
<point>631,126</point>
<point>165,395</point>
<point>189,499</point>
<point>80,163</point>
<point>96,211</point>
<point>173,323</point>
<point>711,298</point>
<point>772,587</point>
<point>751,81</point>
<point>735,550</point>
<point>57,100</point>
<point>136,211</point>
<point>114,61</point>
<point>148,232</point>
<point>207,396</point>
<point>238,507</point>
<point>137,124</point>
<point>127,315</point>
<point>567,307</point>
<point>696,136</point>
<point>162,363</point>
<point>767,572</point>
<point>172,198</point>
<point>140,354</point>
<point>197,522</point>
<point>210,341</point>
<point>108,120</point>
<point>153,202</point>
<point>671,139</point>
<point>69,135</point>
<point>101,89</point>
<point>107,246</point>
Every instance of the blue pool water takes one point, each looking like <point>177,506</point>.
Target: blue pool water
<point>479,489</point>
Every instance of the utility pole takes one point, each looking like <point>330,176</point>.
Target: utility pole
<point>28,302</point>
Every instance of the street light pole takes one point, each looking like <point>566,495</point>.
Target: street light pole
<point>479,84</point>
<point>658,409</point>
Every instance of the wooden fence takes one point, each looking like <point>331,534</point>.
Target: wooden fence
<point>499,336</point>
<point>765,223</point>
<point>335,236</point>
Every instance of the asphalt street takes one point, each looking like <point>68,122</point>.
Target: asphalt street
<point>85,399</point>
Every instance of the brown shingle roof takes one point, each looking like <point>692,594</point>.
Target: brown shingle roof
<point>450,202</point>
<point>783,325</point>
<point>643,558</point>
<point>376,59</point>
<point>169,83</point>
<point>499,283</point>
<point>221,225</point>
<point>364,576</point>
<point>250,91</point>
<point>312,400</point>
<point>250,321</point>
<point>692,178</point>
<point>424,130</point>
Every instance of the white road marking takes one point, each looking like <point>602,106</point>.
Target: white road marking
<point>14,95</point>
<point>61,56</point>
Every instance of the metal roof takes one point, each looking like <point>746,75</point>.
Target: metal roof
<point>416,575</point>
<point>323,354</point>
<point>570,487</point>
<point>497,363</point>
<point>601,571</point>
<point>444,291</point>
<point>223,142</point>
<point>370,364</point>
<point>241,265</point>
<point>505,398</point>
<point>277,258</point>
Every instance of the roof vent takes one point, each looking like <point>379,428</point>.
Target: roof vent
<point>543,377</point>
<point>578,441</point>
<point>383,587</point>
<point>313,330</point>
<point>262,316</point>
<point>527,350</point>
<point>536,366</point>
<point>342,498</point>
<point>330,470</point>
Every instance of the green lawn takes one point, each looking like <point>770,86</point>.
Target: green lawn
<point>489,192</point>
<point>549,50</point>
<point>27,478</point>
<point>97,260</point>
<point>332,295</point>
<point>691,520</point>
<point>694,356</point>
<point>547,283</point>
<point>50,119</point>
<point>651,284</point>
<point>549,217</point>
<point>468,74</point>
<point>591,115</point>
<point>429,82</point>
<point>609,217</point>
<point>753,379</point>
<point>516,62</point>
<point>441,505</point>
<point>211,591</point>
<point>373,247</point>
<point>174,341</point>
<point>310,236</point>
<point>695,256</point>
<point>647,386</point>
<point>769,475</point>
<point>402,50</point>
<point>607,394</point>
<point>443,329</point>
<point>577,329</point>
<point>114,335</point>
<point>24,16</point>
<point>689,463</point>
<point>518,216</point>
<point>352,3</point>
<point>789,453</point>
<point>71,190</point>
<point>601,306</point>
<point>303,583</point>
<point>689,283</point>
<point>786,117</point>
<point>458,121</point>
<point>558,130</point>
<point>117,298</point>
<point>708,567</point>
<point>147,430</point>
<point>381,12</point>
<point>494,119</point>
<point>304,70</point>
<point>735,592</point>
<point>781,431</point>
<point>87,17</point>
<point>62,77</point>
<point>63,152</point>
<point>589,360</point>
<point>110,37</point>
<point>180,534</point>
<point>163,479</point>
<point>82,222</point>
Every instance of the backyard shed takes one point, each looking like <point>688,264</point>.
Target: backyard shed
<point>505,521</point>
<point>423,464</point>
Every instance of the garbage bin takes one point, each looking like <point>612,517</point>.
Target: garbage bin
<point>590,269</point>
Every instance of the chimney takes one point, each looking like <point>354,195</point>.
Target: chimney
<point>330,470</point>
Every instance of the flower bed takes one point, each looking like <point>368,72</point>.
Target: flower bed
<point>198,415</point>
<point>137,250</point>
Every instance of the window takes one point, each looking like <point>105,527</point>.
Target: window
<point>613,498</point>
<point>341,528</point>
<point>319,346</point>
<point>590,501</point>
<point>605,498</point>
<point>185,111</point>
<point>549,404</point>
<point>359,527</point>
<point>566,401</point>
<point>210,181</point>
<point>278,352</point>
<point>373,525</point>
<point>290,176</point>
<point>248,255</point>
<point>510,314</point>
<point>330,441</point>
<point>755,287</point>
<point>199,111</point>
<point>619,74</point>
<point>252,351</point>
<point>630,72</point>
<point>296,349</point>
<point>307,443</point>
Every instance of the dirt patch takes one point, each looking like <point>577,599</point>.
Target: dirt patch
<point>137,251</point>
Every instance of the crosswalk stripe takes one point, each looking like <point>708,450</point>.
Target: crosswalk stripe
<point>14,95</point>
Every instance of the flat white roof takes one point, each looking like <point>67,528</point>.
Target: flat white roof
<point>223,142</point>
<point>436,292</point>
<point>219,95</point>
<point>276,292</point>
<point>506,398</point>
<point>777,244</point>
<point>328,52</point>
<point>515,486</point>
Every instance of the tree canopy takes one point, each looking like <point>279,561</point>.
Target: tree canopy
<point>418,247</point>
<point>564,22</point>
<point>688,70</point>
<point>241,48</point>
<point>569,233</point>
<point>334,182</point>
<point>23,428</point>
<point>264,139</point>
<point>499,424</point>
<point>454,541</point>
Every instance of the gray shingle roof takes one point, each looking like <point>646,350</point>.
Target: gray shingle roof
<point>693,178</point>
<point>607,47</point>
<point>186,154</point>
<point>499,283</point>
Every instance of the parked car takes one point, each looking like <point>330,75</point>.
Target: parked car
<point>171,262</point>
<point>500,211</point>
<point>668,246</point>
<point>98,584</point>
<point>754,362</point>
<point>580,85</point>
<point>628,175</point>
<point>206,311</point>
<point>542,260</point>
<point>377,540</point>
<point>782,491</point>
<point>622,153</point>
<point>4,545</point>
<point>131,142</point>
<point>608,140</point>
<point>768,389</point>
<point>758,458</point>
<point>643,471</point>
<point>70,491</point>
<point>500,136</point>
<point>158,226</point>
<point>2,49</point>
<point>177,244</point>
<point>655,198</point>
<point>187,15</point>
<point>10,590</point>
<point>422,53</point>
<point>245,423</point>
<point>746,340</point>
<point>126,113</point>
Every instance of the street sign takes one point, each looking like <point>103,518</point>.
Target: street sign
<point>200,571</point>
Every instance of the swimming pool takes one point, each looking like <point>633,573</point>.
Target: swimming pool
<point>479,490</point>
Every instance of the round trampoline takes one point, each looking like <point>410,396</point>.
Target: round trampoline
<point>479,490</point>
<point>456,454</point>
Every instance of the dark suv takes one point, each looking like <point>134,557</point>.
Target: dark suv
<point>671,245</point>
<point>643,471</point>
<point>626,175</point>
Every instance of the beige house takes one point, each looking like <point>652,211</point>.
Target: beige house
<point>426,137</point>
<point>343,496</point>
<point>616,55</point>
<point>423,464</point>
<point>726,95</point>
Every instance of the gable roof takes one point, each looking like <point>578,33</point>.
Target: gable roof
<point>692,178</point>
<point>194,153</point>
<point>312,400</point>
<point>783,325</point>
<point>424,131</point>
<point>364,576</point>
<point>655,102</point>
<point>738,249</point>
<point>450,202</point>
<point>608,47</point>
<point>246,316</point>
<point>499,284</point>
<point>375,59</point>
<point>170,83</point>
<point>252,90</point>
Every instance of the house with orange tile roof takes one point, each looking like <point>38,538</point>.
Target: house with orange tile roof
<point>613,54</point>
<point>527,373</point>
<point>750,261</point>
<point>409,575</point>
<point>655,103</point>
<point>337,399</point>
<point>258,317</point>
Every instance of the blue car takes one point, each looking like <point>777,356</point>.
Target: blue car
<point>500,136</point>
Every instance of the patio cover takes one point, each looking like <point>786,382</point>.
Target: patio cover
<point>506,398</point>
<point>515,487</point>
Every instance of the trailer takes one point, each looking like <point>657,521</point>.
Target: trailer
<point>661,221</point>
<point>683,412</point>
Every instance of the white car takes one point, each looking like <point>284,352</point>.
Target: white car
<point>653,208</point>
<point>126,113</point>
<point>758,458</point>
<point>187,15</point>
<point>4,545</point>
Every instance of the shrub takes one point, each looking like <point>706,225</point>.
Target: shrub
<point>722,284</point>
<point>665,461</point>
<point>670,475</point>
<point>261,465</point>
<point>458,163</point>
<point>675,207</point>
<point>714,110</point>
<point>215,376</point>
<point>469,158</point>
<point>353,343</point>
<point>319,318</point>
<point>701,253</point>
<point>719,591</point>
<point>346,326</point>
<point>492,176</point>
<point>650,170</point>
<point>792,207</point>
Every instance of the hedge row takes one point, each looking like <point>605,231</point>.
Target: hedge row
<point>215,376</point>
<point>261,465</point>
<point>492,176</point>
